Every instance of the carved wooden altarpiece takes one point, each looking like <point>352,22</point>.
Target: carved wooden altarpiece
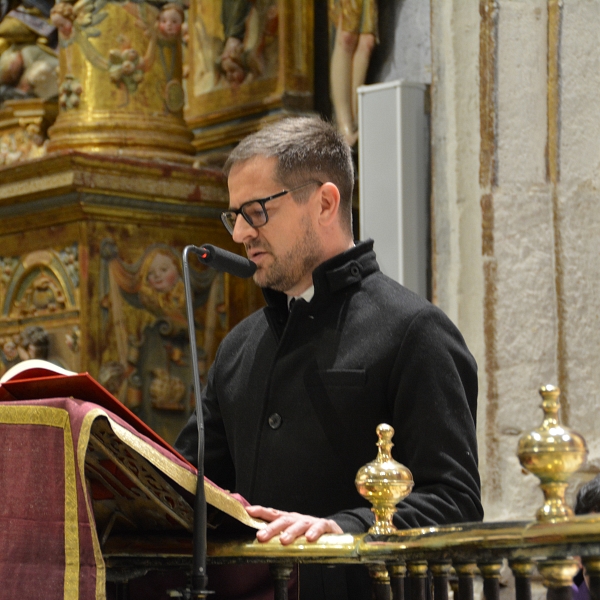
<point>91,279</point>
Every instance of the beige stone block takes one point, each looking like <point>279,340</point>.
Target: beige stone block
<point>580,86</point>
<point>521,91</point>
<point>525,292</point>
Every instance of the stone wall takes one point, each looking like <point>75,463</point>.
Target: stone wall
<point>516,217</point>
<point>404,49</point>
<point>577,210</point>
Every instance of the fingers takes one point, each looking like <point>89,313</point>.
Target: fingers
<point>272,516</point>
<point>264,513</point>
<point>291,526</point>
<point>310,527</point>
<point>316,530</point>
<point>283,526</point>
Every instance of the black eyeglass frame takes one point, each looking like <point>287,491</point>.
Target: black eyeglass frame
<point>230,225</point>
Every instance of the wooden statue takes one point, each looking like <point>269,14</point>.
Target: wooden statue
<point>355,23</point>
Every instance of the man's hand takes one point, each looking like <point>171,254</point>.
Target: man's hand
<point>290,526</point>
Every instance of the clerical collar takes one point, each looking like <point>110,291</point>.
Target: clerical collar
<point>306,295</point>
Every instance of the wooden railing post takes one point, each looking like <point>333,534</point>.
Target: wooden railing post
<point>417,580</point>
<point>441,571</point>
<point>380,581</point>
<point>491,579</point>
<point>522,570</point>
<point>466,574</point>
<point>281,576</point>
<point>397,572</point>
<point>557,576</point>
<point>122,590</point>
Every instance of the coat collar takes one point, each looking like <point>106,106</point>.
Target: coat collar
<point>335,274</point>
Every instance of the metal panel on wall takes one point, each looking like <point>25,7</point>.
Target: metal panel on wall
<point>393,159</point>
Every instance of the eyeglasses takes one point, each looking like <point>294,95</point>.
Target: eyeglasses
<point>254,211</point>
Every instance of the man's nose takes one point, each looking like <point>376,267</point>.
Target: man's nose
<point>242,230</point>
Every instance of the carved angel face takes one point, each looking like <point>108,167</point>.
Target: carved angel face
<point>169,24</point>
<point>162,274</point>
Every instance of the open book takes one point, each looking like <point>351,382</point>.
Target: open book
<point>136,481</point>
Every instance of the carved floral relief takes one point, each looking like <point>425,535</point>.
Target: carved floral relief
<point>40,306</point>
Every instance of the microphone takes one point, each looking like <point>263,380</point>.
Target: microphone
<point>223,260</point>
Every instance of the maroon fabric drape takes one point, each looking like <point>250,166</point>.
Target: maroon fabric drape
<point>46,548</point>
<point>48,543</point>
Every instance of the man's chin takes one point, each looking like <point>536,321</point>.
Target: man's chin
<point>262,280</point>
<point>259,278</point>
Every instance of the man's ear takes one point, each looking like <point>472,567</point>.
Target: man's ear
<point>329,203</point>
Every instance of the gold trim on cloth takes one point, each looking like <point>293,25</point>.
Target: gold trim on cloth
<point>57,417</point>
<point>84,438</point>
<point>186,479</point>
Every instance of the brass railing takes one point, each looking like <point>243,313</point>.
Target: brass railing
<point>434,557</point>
<point>418,564</point>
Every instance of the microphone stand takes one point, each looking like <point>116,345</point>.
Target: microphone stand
<point>220,260</point>
<point>199,578</point>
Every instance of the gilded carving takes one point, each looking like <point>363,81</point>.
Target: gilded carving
<point>28,60</point>
<point>40,283</point>
<point>39,292</point>
<point>244,58</point>
<point>127,64</point>
<point>121,78</point>
<point>28,83</point>
<point>21,144</point>
<point>42,296</point>
<point>145,356</point>
<point>70,92</point>
<point>235,43</point>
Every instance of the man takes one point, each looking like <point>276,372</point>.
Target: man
<point>587,502</point>
<point>297,389</point>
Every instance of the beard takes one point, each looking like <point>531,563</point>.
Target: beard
<point>286,270</point>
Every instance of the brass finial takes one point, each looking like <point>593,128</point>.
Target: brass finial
<point>384,482</point>
<point>552,453</point>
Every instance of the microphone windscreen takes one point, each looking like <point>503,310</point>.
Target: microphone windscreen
<point>223,260</point>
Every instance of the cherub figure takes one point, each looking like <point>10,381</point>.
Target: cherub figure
<point>62,17</point>
<point>27,63</point>
<point>146,332</point>
<point>9,352</point>
<point>170,22</point>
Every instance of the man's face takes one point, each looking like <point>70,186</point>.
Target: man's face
<point>287,249</point>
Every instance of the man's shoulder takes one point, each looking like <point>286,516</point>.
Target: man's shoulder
<point>381,289</point>
<point>400,307</point>
<point>242,340</point>
<point>249,325</point>
<point>378,287</point>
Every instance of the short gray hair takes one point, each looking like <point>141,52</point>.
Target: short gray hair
<point>305,148</point>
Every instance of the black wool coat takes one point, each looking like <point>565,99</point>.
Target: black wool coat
<point>293,401</point>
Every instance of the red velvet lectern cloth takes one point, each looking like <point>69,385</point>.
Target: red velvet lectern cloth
<point>48,543</point>
<point>49,546</point>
